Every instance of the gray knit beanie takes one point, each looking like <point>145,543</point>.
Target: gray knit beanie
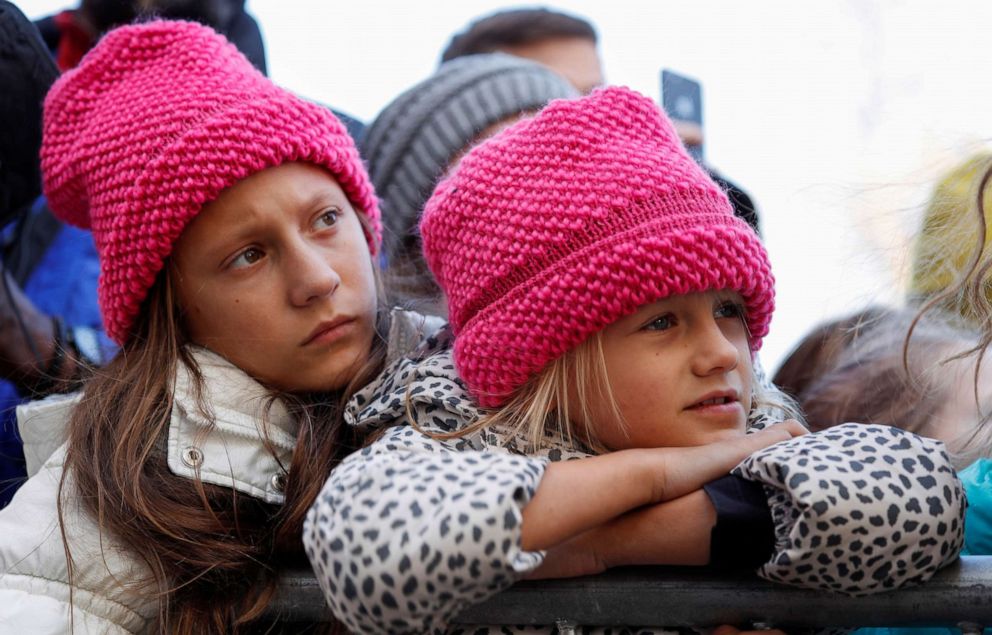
<point>412,141</point>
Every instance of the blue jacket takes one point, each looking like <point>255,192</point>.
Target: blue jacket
<point>977,481</point>
<point>63,283</point>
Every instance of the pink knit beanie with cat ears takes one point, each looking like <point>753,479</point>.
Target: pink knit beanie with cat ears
<point>156,121</point>
<point>566,222</point>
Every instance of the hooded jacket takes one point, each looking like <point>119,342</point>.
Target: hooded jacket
<point>419,525</point>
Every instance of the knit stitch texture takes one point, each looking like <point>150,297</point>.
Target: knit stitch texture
<point>156,122</point>
<point>414,139</point>
<point>564,223</point>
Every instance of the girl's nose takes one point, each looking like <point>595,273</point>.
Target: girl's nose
<point>714,351</point>
<point>311,276</point>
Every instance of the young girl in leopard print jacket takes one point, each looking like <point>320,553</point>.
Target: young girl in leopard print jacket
<point>606,306</point>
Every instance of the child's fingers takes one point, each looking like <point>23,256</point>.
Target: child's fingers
<point>789,427</point>
<point>780,431</point>
<point>795,428</point>
<point>777,433</point>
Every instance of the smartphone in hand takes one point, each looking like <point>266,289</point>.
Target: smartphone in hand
<point>682,99</point>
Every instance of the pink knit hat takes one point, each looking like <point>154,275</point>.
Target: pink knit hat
<point>566,222</point>
<point>155,122</point>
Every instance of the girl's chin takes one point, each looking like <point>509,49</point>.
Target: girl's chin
<point>713,436</point>
<point>700,437</point>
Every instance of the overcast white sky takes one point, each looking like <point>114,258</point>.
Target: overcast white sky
<point>835,116</point>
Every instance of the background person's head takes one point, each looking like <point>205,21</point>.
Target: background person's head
<point>862,368</point>
<point>425,131</point>
<point>103,15</point>
<point>27,74</point>
<point>820,349</point>
<point>587,234</point>
<point>563,43</point>
<point>71,33</point>
<point>949,237</point>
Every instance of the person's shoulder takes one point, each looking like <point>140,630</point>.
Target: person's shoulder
<point>43,426</point>
<point>32,560</point>
<point>49,31</point>
<point>422,388</point>
<point>415,335</point>
<point>419,380</point>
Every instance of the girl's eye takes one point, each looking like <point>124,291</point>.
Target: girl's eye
<point>729,310</point>
<point>327,219</point>
<point>661,323</point>
<point>247,258</point>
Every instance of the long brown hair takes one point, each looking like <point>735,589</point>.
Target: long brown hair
<point>213,554</point>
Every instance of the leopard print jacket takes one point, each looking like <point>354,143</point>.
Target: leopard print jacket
<point>414,528</point>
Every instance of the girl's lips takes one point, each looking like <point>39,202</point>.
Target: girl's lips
<point>721,405</point>
<point>716,399</point>
<point>717,409</point>
<point>328,332</point>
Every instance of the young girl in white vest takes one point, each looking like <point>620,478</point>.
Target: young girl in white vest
<point>237,232</point>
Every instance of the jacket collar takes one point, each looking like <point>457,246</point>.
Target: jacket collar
<point>222,436</point>
<point>235,435</point>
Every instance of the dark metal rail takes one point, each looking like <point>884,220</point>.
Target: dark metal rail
<point>677,596</point>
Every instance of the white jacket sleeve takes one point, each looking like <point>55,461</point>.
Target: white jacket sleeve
<point>30,612</point>
<point>411,530</point>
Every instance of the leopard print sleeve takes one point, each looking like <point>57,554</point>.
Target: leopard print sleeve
<point>409,531</point>
<point>859,509</point>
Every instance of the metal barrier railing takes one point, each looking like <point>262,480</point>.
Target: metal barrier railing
<point>959,595</point>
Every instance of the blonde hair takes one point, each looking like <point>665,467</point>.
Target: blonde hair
<point>543,412</point>
<point>970,292</point>
<point>952,241</point>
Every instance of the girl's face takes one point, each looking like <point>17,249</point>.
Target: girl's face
<point>680,370</point>
<point>276,276</point>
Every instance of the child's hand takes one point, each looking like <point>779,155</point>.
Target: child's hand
<point>672,533</point>
<point>747,445</point>
<point>581,555</point>
<point>678,471</point>
<point>783,431</point>
<point>575,496</point>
